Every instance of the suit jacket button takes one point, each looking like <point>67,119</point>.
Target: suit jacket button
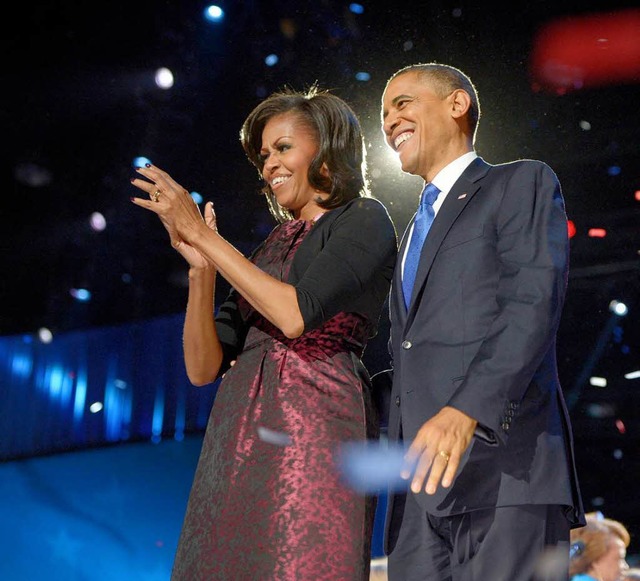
<point>406,345</point>
<point>398,400</point>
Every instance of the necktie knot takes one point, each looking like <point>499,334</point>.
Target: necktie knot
<point>429,195</point>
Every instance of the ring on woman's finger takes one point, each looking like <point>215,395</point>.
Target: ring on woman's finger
<point>155,195</point>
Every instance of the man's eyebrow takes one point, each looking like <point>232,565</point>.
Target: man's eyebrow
<point>399,98</point>
<point>394,102</point>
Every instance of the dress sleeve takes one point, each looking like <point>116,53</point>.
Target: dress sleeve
<point>353,269</point>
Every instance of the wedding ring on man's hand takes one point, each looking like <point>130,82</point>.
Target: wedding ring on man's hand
<point>155,195</point>
<point>444,455</point>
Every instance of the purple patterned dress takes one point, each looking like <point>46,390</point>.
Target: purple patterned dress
<point>267,501</point>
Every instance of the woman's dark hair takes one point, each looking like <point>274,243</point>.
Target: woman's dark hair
<point>341,144</point>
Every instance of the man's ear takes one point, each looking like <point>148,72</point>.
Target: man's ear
<point>460,103</point>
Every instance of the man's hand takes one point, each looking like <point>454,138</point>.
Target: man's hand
<point>439,446</point>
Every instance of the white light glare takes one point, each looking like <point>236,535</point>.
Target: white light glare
<point>95,407</point>
<point>45,335</point>
<point>598,381</point>
<point>98,222</point>
<point>618,308</point>
<point>632,375</point>
<point>213,13</point>
<point>164,78</point>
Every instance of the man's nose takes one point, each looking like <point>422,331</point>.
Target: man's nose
<point>389,124</point>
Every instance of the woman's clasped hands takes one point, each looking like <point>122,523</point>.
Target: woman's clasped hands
<point>177,211</point>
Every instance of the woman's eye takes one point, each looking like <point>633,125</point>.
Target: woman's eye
<point>283,147</point>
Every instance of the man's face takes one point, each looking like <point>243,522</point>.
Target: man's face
<point>416,123</point>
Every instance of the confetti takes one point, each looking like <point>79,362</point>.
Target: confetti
<point>273,437</point>
<point>372,467</point>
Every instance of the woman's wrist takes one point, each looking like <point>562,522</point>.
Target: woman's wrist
<point>198,273</point>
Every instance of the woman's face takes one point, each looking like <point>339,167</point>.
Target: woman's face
<point>612,564</point>
<point>288,148</point>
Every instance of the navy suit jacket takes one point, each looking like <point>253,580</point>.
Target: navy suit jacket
<point>479,335</point>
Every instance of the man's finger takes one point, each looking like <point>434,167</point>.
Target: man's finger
<point>439,465</point>
<point>450,472</point>
<point>410,459</point>
<point>421,471</point>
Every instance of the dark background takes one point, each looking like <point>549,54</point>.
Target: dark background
<point>79,104</point>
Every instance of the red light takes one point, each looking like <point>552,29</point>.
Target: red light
<point>572,228</point>
<point>621,427</point>
<point>597,232</point>
<point>575,52</point>
<point>637,196</point>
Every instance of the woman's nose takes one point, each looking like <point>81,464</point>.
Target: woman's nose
<point>270,162</point>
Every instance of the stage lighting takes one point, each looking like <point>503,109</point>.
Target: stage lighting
<point>214,13</point>
<point>80,294</point>
<point>140,161</point>
<point>618,308</point>
<point>164,78</point>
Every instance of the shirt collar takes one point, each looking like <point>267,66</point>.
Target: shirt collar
<point>449,174</point>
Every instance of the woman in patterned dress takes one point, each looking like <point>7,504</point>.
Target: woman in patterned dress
<point>268,501</point>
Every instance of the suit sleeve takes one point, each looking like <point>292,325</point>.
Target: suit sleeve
<point>533,253</point>
<point>356,260</point>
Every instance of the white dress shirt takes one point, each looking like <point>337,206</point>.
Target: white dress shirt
<point>444,181</point>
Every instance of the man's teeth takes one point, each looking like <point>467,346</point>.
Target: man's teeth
<point>279,180</point>
<point>402,138</point>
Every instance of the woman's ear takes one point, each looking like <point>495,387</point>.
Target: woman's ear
<point>324,170</point>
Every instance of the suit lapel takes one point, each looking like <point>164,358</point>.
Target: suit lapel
<point>460,195</point>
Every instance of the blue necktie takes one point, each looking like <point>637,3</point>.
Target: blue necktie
<point>421,226</point>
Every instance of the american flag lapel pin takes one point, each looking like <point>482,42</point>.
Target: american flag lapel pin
<point>462,196</point>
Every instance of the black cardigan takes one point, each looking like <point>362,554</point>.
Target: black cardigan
<point>345,263</point>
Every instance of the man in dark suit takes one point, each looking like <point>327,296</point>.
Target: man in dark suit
<point>492,489</point>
